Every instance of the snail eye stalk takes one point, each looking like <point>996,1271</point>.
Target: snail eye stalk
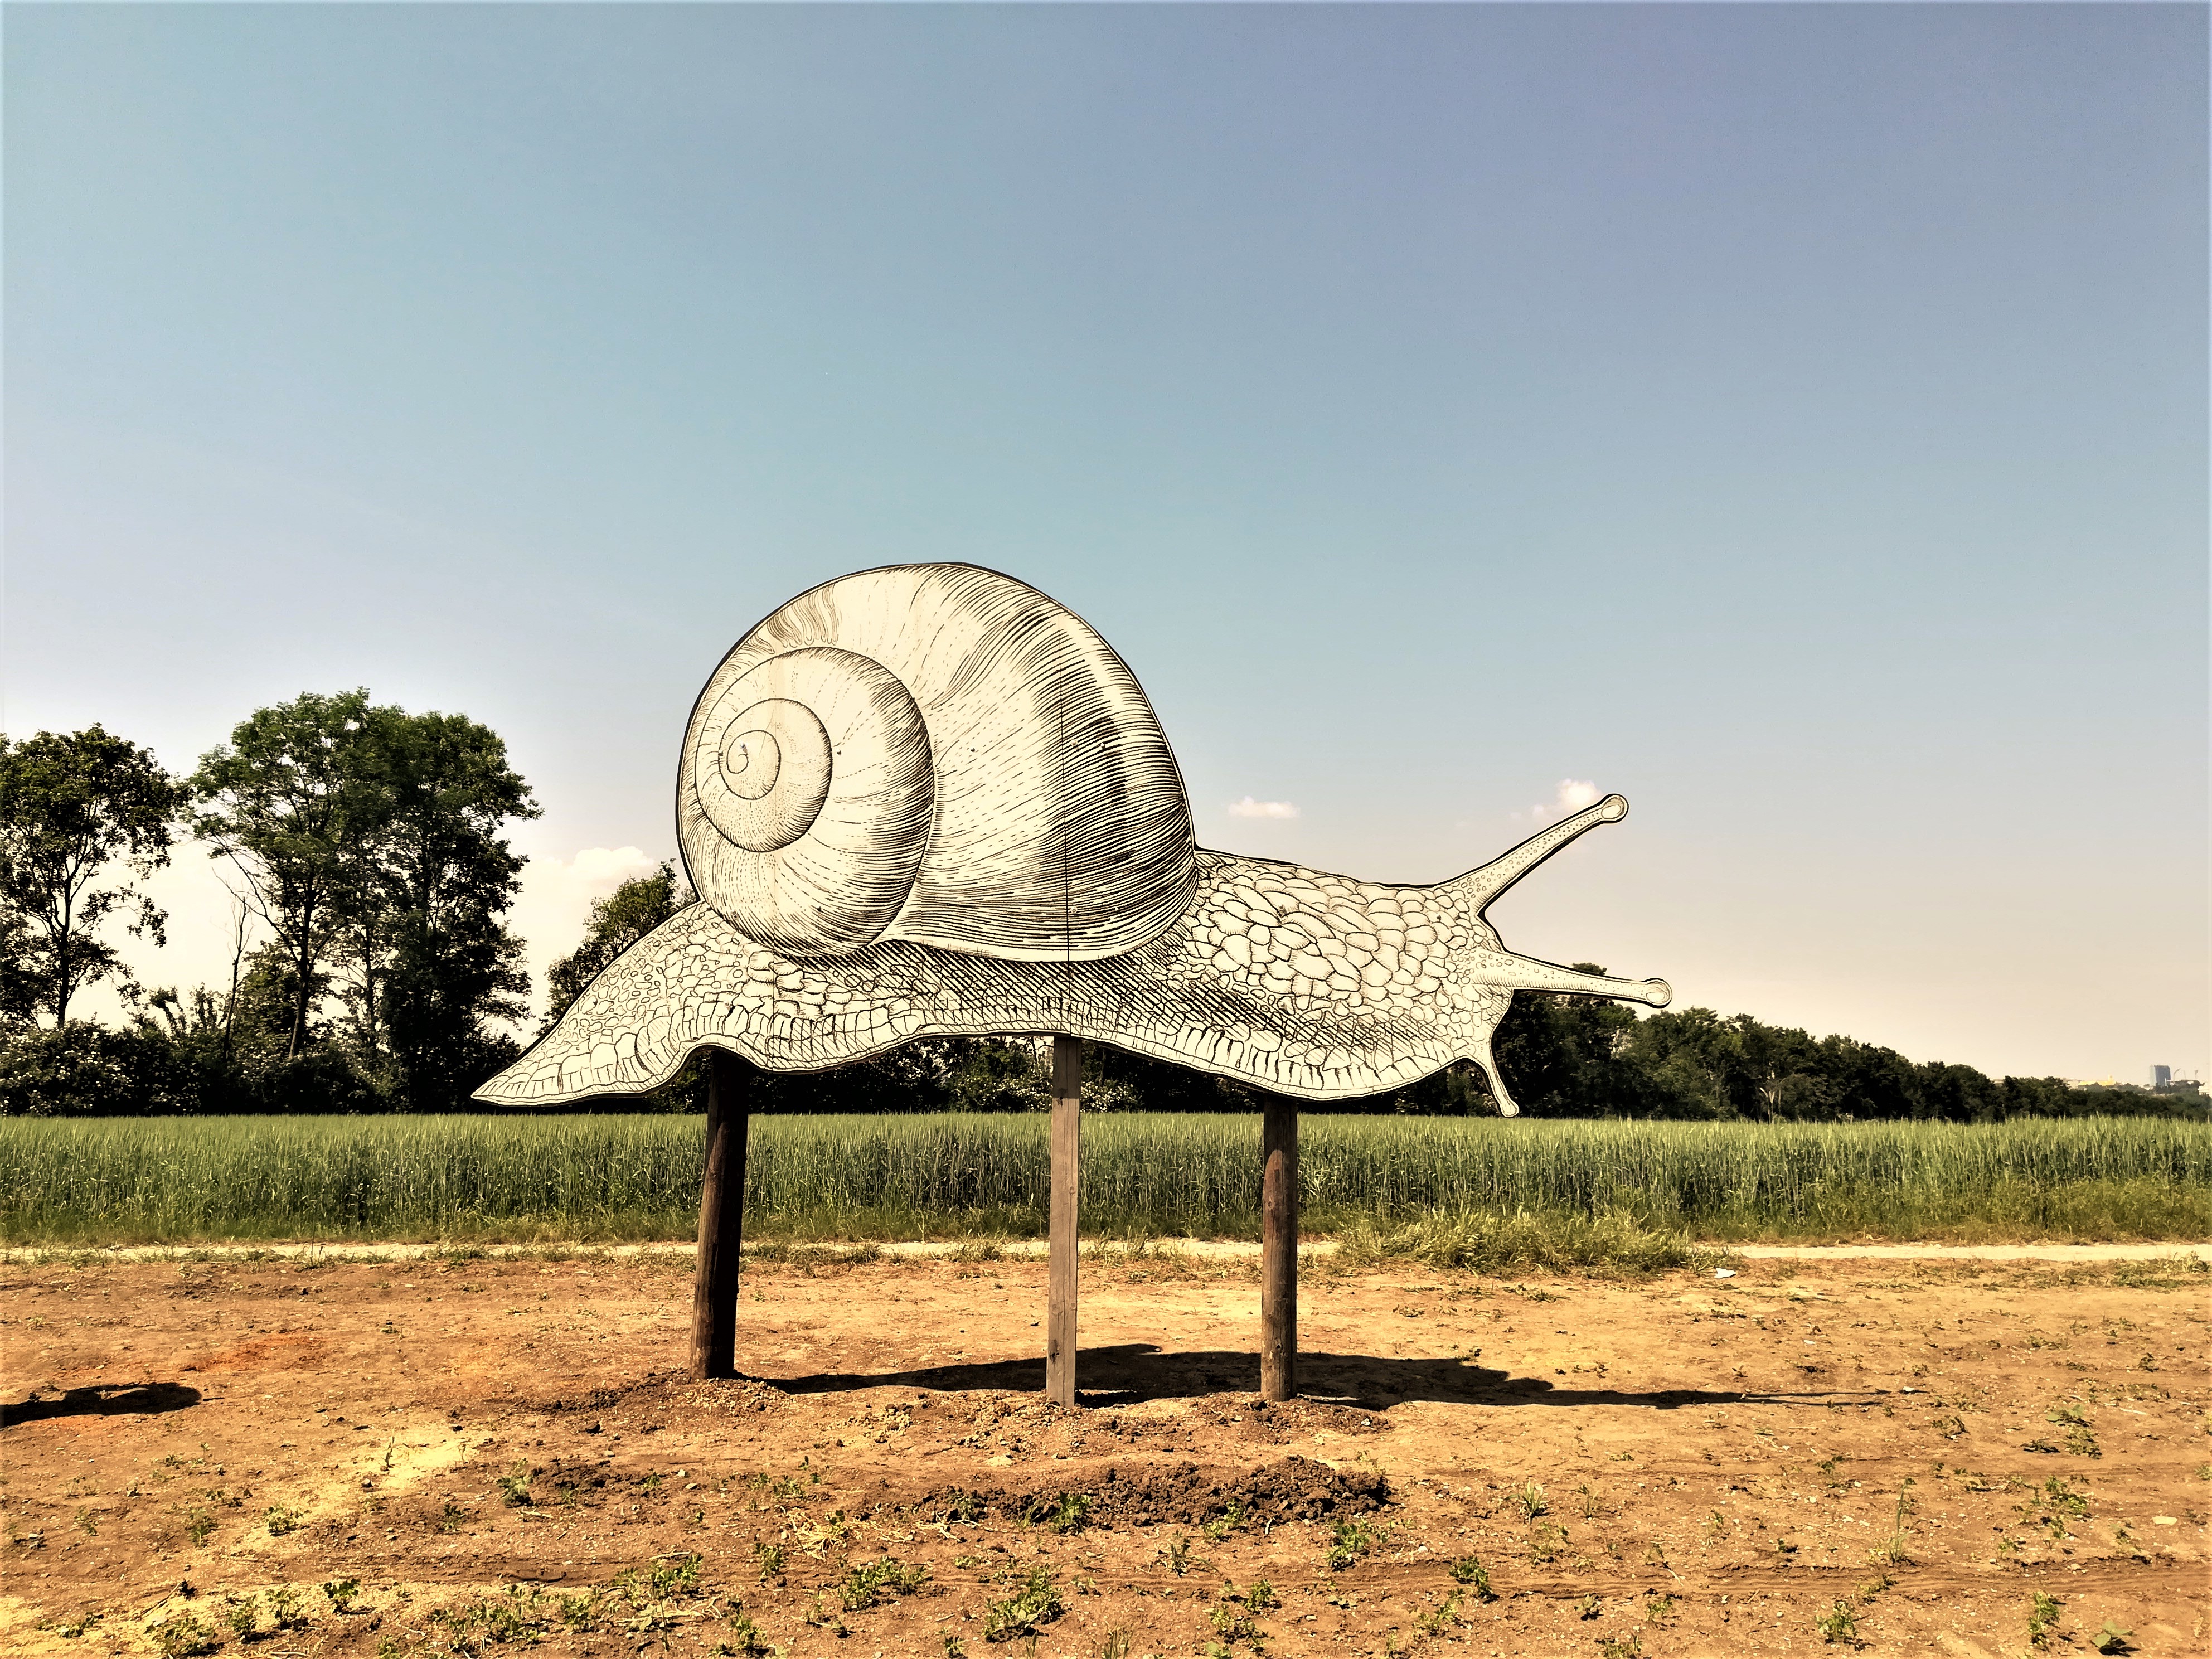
<point>1481,887</point>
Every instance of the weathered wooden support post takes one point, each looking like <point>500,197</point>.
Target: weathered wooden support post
<point>1279,1248</point>
<point>1059,1302</point>
<point>721,1217</point>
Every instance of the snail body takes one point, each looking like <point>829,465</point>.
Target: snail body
<point>928,801</point>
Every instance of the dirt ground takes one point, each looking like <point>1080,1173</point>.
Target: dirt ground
<point>440,1456</point>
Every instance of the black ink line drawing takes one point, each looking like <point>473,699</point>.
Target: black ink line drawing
<point>928,800</point>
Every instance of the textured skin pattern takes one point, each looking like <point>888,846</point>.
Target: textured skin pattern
<point>1310,984</point>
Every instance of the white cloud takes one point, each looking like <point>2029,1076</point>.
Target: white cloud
<point>1249,808</point>
<point>603,869</point>
<point>1574,794</point>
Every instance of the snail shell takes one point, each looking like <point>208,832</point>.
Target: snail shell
<point>937,753</point>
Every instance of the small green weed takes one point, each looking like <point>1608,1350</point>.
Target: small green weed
<point>1037,1602</point>
<point>341,1592</point>
<point>769,1557</point>
<point>878,1581</point>
<point>1839,1624</point>
<point>1469,1571</point>
<point>2080,1435</point>
<point>824,1617</point>
<point>243,1614</point>
<point>284,1609</point>
<point>281,1520</point>
<point>2111,1637</point>
<point>183,1637</point>
<point>1891,1551</point>
<point>647,1588</point>
<point>1063,1514</point>
<point>2043,1615</point>
<point>1439,1619</point>
<point>1348,1541</point>
<point>514,1485</point>
<point>744,1635</point>
<point>1232,1624</point>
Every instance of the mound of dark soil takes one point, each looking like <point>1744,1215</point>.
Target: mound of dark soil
<point>1288,1419</point>
<point>655,1395</point>
<point>1290,1489</point>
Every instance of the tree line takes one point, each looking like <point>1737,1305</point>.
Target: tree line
<point>372,967</point>
<point>372,970</point>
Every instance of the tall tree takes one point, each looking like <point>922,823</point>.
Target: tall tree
<point>72,806</point>
<point>291,801</point>
<point>442,880</point>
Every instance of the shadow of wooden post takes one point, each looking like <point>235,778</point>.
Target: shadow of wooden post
<point>1060,1300</point>
<point>1279,1248</point>
<point>721,1217</point>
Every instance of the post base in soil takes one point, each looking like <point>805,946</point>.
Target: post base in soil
<point>1279,1250</point>
<point>1060,1305</point>
<point>722,1219</point>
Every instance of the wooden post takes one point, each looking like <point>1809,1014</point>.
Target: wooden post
<point>1060,1308</point>
<point>721,1219</point>
<point>1279,1248</point>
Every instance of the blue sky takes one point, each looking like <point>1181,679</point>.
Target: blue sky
<point>1793,418</point>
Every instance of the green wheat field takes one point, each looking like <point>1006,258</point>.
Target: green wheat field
<point>1581,1189</point>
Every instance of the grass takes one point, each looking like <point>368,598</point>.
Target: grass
<point>1447,1189</point>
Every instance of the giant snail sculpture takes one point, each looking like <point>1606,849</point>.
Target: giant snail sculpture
<point>928,801</point>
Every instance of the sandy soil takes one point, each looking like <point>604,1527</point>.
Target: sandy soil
<point>503,1449</point>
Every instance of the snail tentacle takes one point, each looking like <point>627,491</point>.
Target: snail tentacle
<point>1518,973</point>
<point>1483,884</point>
<point>1507,1106</point>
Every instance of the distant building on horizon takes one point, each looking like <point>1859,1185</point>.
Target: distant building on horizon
<point>2162,1078</point>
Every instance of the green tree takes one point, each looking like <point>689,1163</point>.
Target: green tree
<point>73,806</point>
<point>19,979</point>
<point>1564,1056</point>
<point>614,924</point>
<point>291,801</point>
<point>432,908</point>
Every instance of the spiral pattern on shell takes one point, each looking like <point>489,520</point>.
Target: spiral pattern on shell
<point>937,753</point>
